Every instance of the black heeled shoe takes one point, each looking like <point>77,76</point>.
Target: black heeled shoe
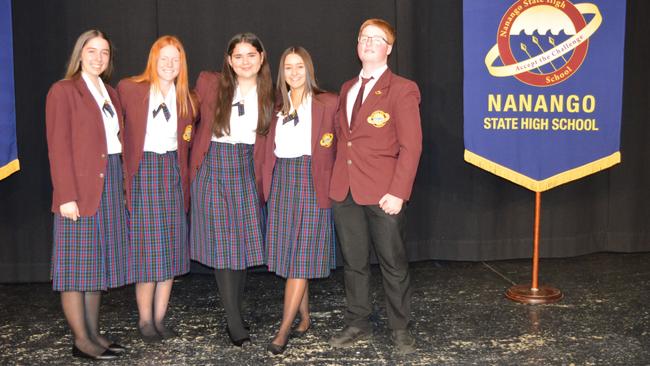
<point>295,333</point>
<point>237,342</point>
<point>106,355</point>
<point>277,349</point>
<point>116,348</point>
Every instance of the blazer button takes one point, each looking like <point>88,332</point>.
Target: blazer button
<point>101,175</point>
<point>349,162</point>
<point>349,143</point>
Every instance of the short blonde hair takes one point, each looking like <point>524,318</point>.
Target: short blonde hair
<point>383,25</point>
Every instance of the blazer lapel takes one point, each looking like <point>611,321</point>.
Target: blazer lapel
<point>343,106</point>
<point>142,111</point>
<point>378,91</point>
<point>89,101</point>
<point>317,110</point>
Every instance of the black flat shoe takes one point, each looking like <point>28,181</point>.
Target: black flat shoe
<point>166,333</point>
<point>149,334</point>
<point>276,349</point>
<point>106,355</point>
<point>237,342</point>
<point>116,348</point>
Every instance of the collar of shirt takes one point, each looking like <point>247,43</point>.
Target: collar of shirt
<point>375,75</point>
<point>101,95</point>
<point>157,97</point>
<point>304,107</point>
<point>239,98</point>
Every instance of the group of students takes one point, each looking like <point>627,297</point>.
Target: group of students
<point>262,174</point>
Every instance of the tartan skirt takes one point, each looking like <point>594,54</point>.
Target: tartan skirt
<point>91,254</point>
<point>226,230</point>
<point>300,238</point>
<point>158,235</point>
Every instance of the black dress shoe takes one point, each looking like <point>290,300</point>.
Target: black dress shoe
<point>237,342</point>
<point>116,348</point>
<point>276,349</point>
<point>106,355</point>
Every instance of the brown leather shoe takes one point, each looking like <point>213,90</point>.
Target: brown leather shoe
<point>403,341</point>
<point>348,337</point>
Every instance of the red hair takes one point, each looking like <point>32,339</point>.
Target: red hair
<point>383,25</point>
<point>185,100</point>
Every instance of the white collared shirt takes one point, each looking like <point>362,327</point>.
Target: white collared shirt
<point>161,134</point>
<point>354,90</point>
<point>292,141</point>
<point>242,128</point>
<point>111,123</point>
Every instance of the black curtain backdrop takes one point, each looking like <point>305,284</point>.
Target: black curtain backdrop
<point>458,212</point>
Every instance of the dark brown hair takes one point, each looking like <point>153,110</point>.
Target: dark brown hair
<point>228,83</point>
<point>310,79</point>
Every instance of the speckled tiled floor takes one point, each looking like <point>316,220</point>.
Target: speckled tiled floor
<point>460,318</point>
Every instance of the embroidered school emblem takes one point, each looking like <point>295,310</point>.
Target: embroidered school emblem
<point>378,118</point>
<point>327,139</point>
<point>187,133</point>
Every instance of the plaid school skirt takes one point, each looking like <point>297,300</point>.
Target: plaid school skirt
<point>158,235</point>
<point>226,230</point>
<point>300,236</point>
<point>91,254</point>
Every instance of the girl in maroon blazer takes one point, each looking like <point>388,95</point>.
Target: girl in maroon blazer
<point>83,122</point>
<point>226,215</point>
<point>299,154</point>
<point>158,113</point>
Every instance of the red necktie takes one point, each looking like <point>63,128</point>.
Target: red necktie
<point>357,103</point>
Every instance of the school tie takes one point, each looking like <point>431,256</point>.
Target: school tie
<point>106,108</point>
<point>293,116</point>
<point>358,101</point>
<point>162,107</point>
<point>240,108</point>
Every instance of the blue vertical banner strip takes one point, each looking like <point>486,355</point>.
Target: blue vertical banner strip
<point>8,150</point>
<point>543,83</point>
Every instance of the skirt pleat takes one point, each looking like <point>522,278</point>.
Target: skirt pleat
<point>91,254</point>
<point>158,224</point>
<point>300,235</point>
<point>226,217</point>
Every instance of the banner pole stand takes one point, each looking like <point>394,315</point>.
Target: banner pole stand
<point>533,293</point>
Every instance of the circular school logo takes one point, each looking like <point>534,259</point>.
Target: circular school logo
<point>543,42</point>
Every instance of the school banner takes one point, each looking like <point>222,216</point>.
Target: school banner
<point>8,153</point>
<point>543,88</point>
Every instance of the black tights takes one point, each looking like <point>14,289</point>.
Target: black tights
<point>231,285</point>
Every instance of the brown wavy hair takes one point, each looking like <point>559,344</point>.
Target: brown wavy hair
<point>228,84</point>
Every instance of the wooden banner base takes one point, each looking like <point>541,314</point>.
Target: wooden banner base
<point>526,295</point>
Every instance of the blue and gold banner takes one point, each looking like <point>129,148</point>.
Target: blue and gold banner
<point>8,152</point>
<point>543,88</point>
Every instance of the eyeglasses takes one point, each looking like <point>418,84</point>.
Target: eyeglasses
<point>375,40</point>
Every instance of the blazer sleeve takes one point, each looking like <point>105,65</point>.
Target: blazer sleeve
<point>59,145</point>
<point>409,136</point>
